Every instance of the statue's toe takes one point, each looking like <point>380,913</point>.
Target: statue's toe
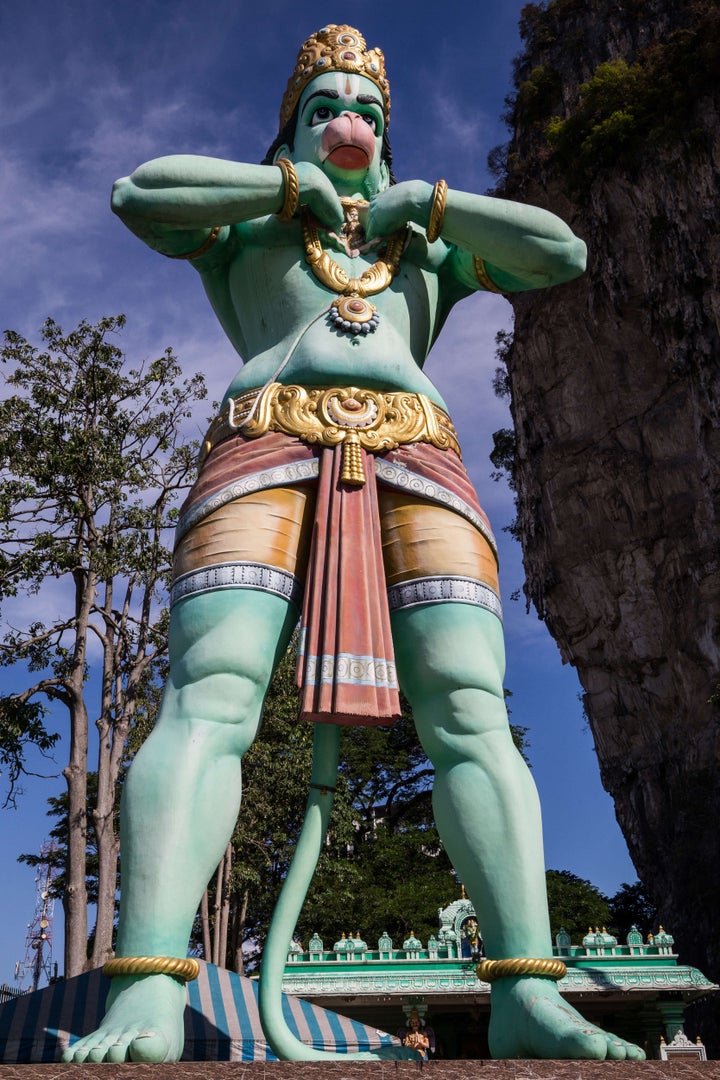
<point>117,1052</point>
<point>77,1053</point>
<point>97,1053</point>
<point>150,1046</point>
<point>633,1052</point>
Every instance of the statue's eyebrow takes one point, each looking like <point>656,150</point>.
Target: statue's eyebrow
<point>368,99</point>
<point>333,94</point>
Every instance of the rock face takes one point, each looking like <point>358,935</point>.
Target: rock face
<point>615,383</point>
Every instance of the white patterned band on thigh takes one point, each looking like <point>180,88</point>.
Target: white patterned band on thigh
<point>443,589</point>
<point>238,575</point>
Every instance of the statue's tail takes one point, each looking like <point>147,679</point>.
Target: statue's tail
<point>326,750</point>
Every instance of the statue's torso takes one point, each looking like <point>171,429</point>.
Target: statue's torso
<point>266,297</point>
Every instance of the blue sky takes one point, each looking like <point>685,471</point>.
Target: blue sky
<point>88,91</point>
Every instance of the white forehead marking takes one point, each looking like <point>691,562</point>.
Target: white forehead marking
<point>341,80</point>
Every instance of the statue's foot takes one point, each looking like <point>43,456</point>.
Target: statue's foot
<point>530,1019</point>
<point>143,1022</point>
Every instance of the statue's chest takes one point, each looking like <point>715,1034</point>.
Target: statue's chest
<point>274,266</point>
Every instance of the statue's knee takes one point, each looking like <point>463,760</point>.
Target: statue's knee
<point>230,697</point>
<point>452,679</point>
<point>222,654</point>
<point>460,724</point>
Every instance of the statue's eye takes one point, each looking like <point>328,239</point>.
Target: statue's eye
<point>321,116</point>
<point>370,121</point>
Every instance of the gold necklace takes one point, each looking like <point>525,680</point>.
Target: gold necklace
<point>351,312</point>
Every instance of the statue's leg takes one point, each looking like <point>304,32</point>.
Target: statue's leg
<point>451,665</point>
<point>180,804</point>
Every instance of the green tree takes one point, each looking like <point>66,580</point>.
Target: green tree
<point>59,833</point>
<point>632,906</point>
<point>575,904</point>
<point>90,468</point>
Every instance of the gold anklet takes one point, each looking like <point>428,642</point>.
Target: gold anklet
<point>186,969</point>
<point>291,196</point>
<point>437,211</point>
<point>490,970</point>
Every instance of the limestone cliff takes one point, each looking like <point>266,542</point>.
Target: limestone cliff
<point>615,383</point>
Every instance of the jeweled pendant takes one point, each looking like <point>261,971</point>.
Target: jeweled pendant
<point>354,315</point>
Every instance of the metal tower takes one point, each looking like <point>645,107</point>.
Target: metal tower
<point>38,943</point>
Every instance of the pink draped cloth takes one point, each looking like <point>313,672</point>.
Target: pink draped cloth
<point>346,662</point>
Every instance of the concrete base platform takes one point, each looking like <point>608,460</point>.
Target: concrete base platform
<point>357,1070</point>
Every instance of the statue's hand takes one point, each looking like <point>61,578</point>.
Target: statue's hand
<point>393,208</point>
<point>317,193</point>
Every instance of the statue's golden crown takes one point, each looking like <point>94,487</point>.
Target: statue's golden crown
<point>334,48</point>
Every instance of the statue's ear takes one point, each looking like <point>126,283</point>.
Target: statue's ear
<point>282,151</point>
<point>384,176</point>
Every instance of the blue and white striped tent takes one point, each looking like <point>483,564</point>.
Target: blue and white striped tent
<point>221,1021</point>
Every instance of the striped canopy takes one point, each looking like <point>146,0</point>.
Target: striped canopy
<point>221,1021</point>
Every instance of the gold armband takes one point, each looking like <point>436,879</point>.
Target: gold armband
<point>185,969</point>
<point>482,275</point>
<point>437,211</point>
<point>292,190</point>
<point>205,246</point>
<point>490,970</point>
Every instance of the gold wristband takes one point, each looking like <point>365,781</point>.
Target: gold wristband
<point>292,190</point>
<point>186,969</point>
<point>482,275</point>
<point>205,246</point>
<point>490,970</point>
<point>437,211</point>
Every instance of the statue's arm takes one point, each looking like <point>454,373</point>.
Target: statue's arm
<point>521,247</point>
<point>173,203</point>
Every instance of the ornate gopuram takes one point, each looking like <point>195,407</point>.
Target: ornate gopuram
<point>638,990</point>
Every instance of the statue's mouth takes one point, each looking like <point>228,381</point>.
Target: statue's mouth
<point>349,156</point>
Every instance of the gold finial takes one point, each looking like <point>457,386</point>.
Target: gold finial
<point>335,48</point>
<point>462,892</point>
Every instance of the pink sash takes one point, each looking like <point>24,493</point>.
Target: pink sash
<point>346,663</point>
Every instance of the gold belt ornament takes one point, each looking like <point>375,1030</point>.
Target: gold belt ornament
<point>328,416</point>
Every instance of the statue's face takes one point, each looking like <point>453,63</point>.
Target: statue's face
<point>340,129</point>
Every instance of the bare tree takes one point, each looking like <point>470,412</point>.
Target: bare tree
<point>91,464</point>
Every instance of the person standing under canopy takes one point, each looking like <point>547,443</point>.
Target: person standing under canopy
<point>332,490</point>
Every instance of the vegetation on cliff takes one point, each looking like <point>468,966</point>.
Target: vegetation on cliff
<point>623,106</point>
